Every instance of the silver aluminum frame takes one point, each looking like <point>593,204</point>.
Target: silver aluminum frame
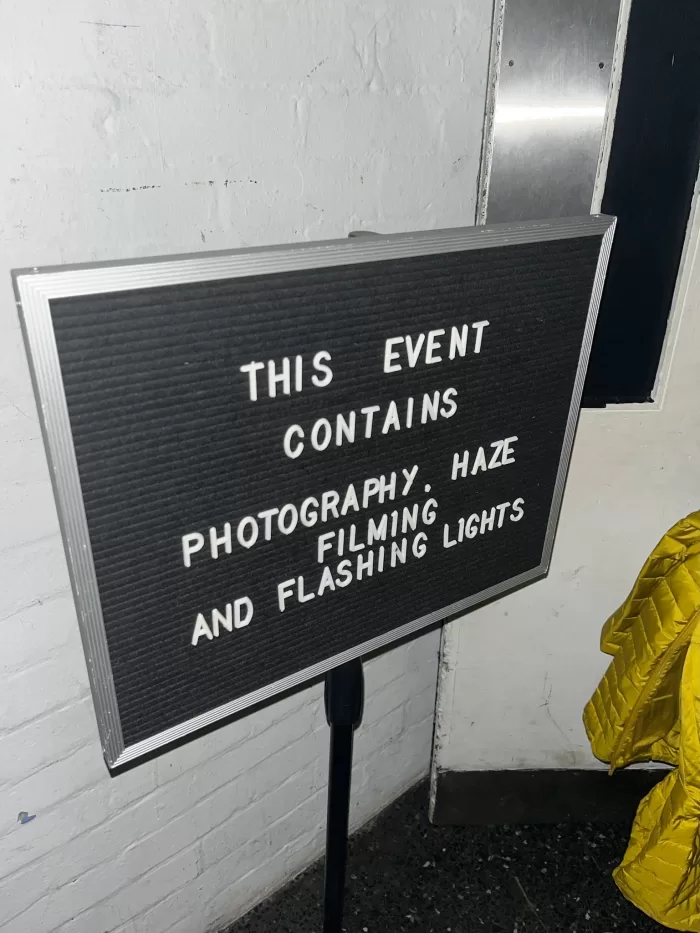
<point>35,288</point>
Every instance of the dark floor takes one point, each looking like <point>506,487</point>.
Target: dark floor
<point>406,875</point>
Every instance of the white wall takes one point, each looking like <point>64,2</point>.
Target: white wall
<point>515,675</point>
<point>138,128</point>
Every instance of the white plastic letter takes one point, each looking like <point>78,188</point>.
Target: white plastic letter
<point>479,462</point>
<point>471,529</point>
<point>508,452</point>
<point>409,519</point>
<point>284,591</point>
<point>369,412</point>
<point>252,369</point>
<point>409,476</point>
<point>487,520</point>
<point>479,328</point>
<point>387,490</point>
<point>287,443</point>
<point>429,513</point>
<point>239,620</point>
<point>432,345</point>
<point>371,488</point>
<point>284,378</point>
<point>190,545</point>
<point>458,341</point>
<point>390,355</point>
<point>325,425</point>
<point>327,582</point>
<point>446,542</point>
<point>287,525</point>
<point>324,544</point>
<point>495,461</point>
<point>218,618</point>
<point>377,532</point>
<point>430,407</point>
<point>363,565</point>
<point>449,404</point>
<point>398,551</point>
<point>319,364</point>
<point>391,419</point>
<point>345,428</point>
<point>201,628</point>
<point>413,352</point>
<point>309,519</point>
<point>345,573</point>
<point>350,501</point>
<point>247,539</point>
<point>225,539</point>
<point>460,466</point>
<point>352,544</point>
<point>266,516</point>
<point>409,412</point>
<point>329,504</point>
<point>301,595</point>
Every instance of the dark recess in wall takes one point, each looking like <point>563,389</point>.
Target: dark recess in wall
<point>651,177</point>
<point>492,798</point>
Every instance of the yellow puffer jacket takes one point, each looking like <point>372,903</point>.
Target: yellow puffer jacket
<point>647,706</point>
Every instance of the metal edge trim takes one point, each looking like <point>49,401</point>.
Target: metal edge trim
<point>574,410</point>
<point>487,137</point>
<point>40,343</point>
<point>124,275</point>
<point>36,289</point>
<point>139,749</point>
<point>613,96</point>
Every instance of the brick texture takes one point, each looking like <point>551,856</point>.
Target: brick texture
<point>201,126</point>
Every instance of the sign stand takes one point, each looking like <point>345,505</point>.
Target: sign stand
<point>344,700</point>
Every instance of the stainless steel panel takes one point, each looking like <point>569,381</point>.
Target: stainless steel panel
<point>555,64</point>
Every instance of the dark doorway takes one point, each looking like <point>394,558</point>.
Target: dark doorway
<point>651,178</point>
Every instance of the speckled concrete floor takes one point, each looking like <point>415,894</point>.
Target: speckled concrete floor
<point>406,875</point>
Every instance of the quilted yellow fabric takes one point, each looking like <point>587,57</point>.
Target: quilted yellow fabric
<point>647,706</point>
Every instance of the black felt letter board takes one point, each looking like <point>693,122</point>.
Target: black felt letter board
<point>169,443</point>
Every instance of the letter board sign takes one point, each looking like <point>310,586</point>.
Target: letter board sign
<point>270,461</point>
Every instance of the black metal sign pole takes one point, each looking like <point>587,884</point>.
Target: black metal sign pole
<point>344,699</point>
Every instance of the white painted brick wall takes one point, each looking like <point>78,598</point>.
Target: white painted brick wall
<point>634,472</point>
<point>180,127</point>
